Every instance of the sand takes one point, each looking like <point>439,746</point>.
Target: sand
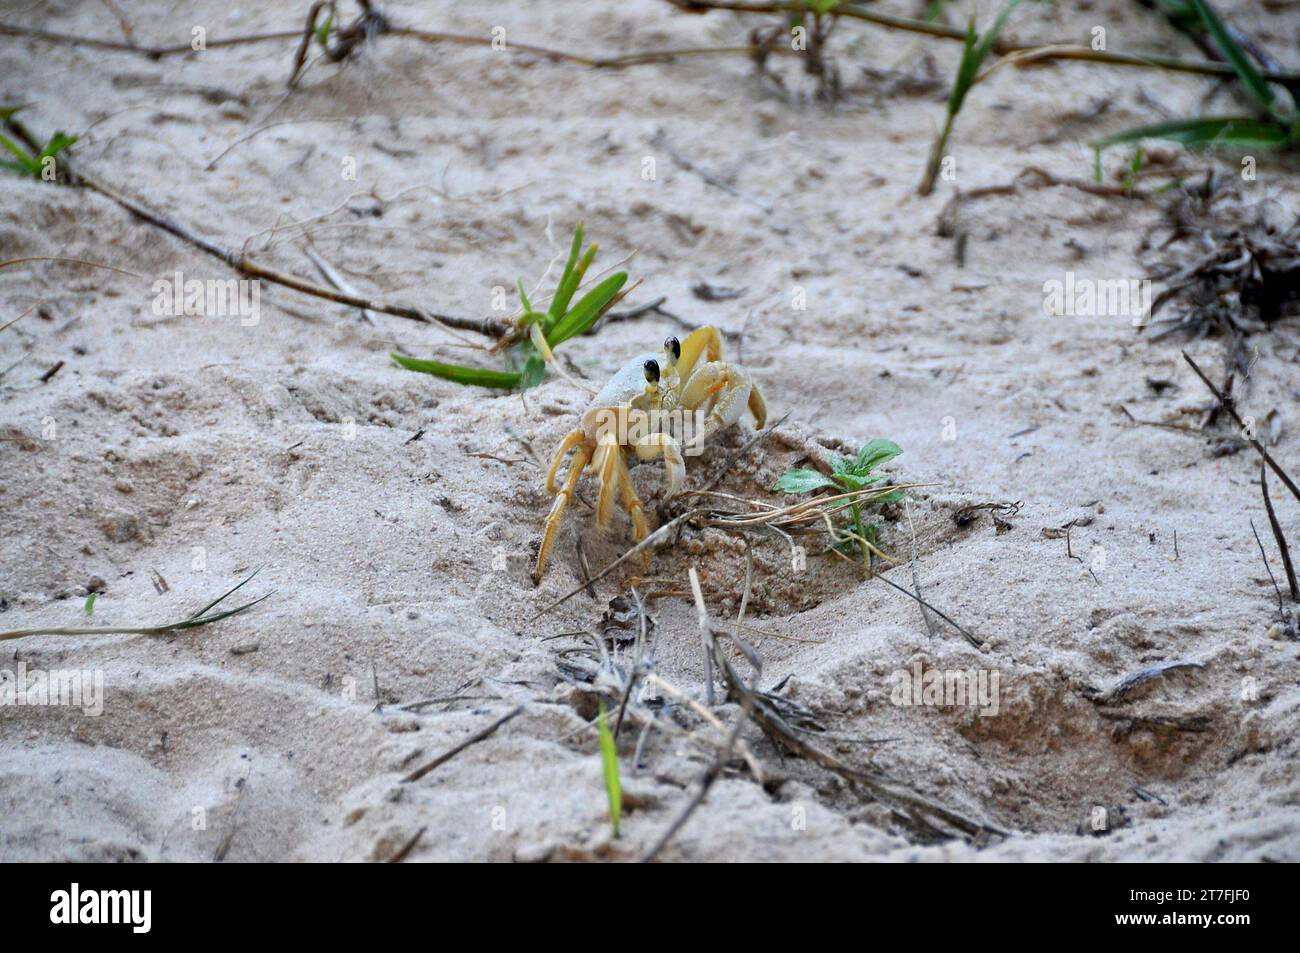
<point>200,448</point>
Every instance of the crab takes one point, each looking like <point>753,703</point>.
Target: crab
<point>654,402</point>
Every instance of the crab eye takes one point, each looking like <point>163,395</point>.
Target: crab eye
<point>651,371</point>
<point>673,347</point>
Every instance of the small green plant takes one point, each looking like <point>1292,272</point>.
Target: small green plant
<point>848,475</point>
<point>1276,127</point>
<point>538,333</point>
<point>323,29</point>
<point>90,603</point>
<point>976,49</point>
<point>24,161</point>
<point>609,762</point>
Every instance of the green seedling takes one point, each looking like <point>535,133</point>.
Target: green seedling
<point>42,165</point>
<point>323,29</point>
<point>538,333</point>
<point>609,762</point>
<point>1276,127</point>
<point>976,49</point>
<point>848,475</point>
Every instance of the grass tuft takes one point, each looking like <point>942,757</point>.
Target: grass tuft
<point>1275,127</point>
<point>25,161</point>
<point>537,332</point>
<point>204,616</point>
<point>975,50</point>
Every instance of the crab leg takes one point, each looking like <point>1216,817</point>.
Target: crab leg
<point>632,502</point>
<point>562,500</point>
<point>703,342</point>
<point>724,389</point>
<point>608,454</point>
<point>571,440</point>
<point>757,406</point>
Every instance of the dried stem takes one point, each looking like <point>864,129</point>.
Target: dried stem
<point>1029,53</point>
<point>1026,54</point>
<point>1278,536</point>
<point>1254,442</point>
<point>246,266</point>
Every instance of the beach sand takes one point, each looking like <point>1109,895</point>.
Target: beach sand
<point>395,516</point>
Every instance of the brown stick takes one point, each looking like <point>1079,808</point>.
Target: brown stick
<point>1035,53</point>
<point>1232,411</point>
<point>1278,536</point>
<point>473,739</point>
<point>405,850</point>
<point>1038,51</point>
<point>245,265</point>
<point>424,36</point>
<point>735,685</point>
<point>882,788</point>
<point>153,52</point>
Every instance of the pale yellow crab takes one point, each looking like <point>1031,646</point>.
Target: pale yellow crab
<point>651,406</point>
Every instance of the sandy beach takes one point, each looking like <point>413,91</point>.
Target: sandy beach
<point>1074,504</point>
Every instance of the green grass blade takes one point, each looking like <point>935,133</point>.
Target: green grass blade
<point>1242,132</point>
<point>7,112</point>
<point>609,762</point>
<point>221,598</point>
<point>966,70</point>
<point>29,164</point>
<point>587,311</point>
<point>560,303</point>
<point>564,294</point>
<point>534,371</point>
<point>1232,51</point>
<point>990,36</point>
<point>975,53</point>
<point>323,31</point>
<point>217,616</point>
<point>56,145</point>
<point>460,374</point>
